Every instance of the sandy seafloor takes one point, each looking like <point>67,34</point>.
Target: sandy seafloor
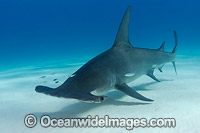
<point>177,96</point>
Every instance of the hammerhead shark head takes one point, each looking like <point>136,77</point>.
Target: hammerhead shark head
<point>113,69</point>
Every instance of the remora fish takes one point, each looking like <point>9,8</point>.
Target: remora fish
<point>113,69</point>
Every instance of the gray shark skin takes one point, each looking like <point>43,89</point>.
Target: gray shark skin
<point>113,69</point>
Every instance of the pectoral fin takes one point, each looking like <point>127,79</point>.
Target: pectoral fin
<point>129,91</point>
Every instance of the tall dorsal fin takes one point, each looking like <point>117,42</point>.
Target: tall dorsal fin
<point>162,46</point>
<point>122,35</point>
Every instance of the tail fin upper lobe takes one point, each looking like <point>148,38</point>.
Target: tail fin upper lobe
<point>176,42</point>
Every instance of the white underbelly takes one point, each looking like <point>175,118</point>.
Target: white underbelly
<point>100,91</point>
<point>109,85</point>
<point>130,79</point>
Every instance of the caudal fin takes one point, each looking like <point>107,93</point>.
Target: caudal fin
<point>174,50</point>
<point>176,42</point>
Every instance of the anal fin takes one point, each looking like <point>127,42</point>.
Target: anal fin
<point>160,68</point>
<point>129,91</point>
<point>150,74</point>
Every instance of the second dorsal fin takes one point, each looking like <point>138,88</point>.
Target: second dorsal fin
<point>162,46</point>
<point>122,35</point>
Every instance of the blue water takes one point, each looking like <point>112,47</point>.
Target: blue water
<point>38,31</point>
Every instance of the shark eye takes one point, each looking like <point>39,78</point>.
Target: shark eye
<point>101,98</point>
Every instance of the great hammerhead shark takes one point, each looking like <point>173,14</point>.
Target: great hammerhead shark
<point>113,69</point>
